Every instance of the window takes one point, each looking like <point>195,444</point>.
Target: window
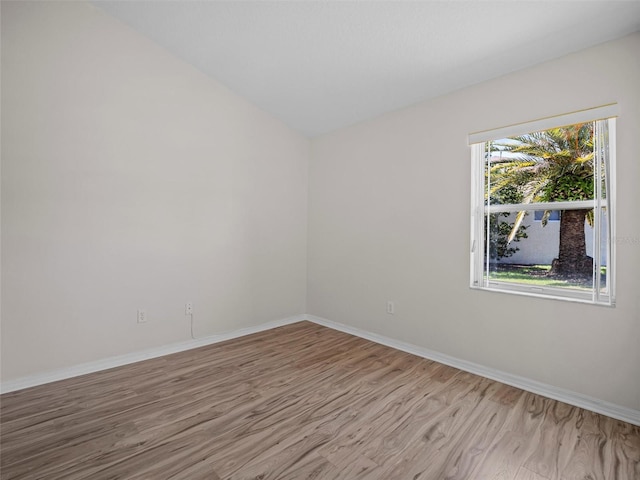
<point>543,204</point>
<point>554,216</point>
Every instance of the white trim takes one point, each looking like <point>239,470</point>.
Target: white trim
<point>581,116</point>
<point>612,206</point>
<point>583,401</point>
<point>477,216</point>
<point>531,207</point>
<point>104,364</point>
<point>567,396</point>
<point>550,293</point>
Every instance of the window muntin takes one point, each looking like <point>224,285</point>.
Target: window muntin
<point>491,207</point>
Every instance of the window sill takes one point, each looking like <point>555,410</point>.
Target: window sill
<point>566,295</point>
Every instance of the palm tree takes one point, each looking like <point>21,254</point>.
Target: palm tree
<point>553,166</point>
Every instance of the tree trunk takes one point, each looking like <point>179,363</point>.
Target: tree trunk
<point>572,254</point>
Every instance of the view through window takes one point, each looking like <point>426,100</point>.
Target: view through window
<point>542,220</point>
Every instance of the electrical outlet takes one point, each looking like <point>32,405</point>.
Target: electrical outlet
<point>391,308</point>
<point>142,316</point>
<point>188,308</point>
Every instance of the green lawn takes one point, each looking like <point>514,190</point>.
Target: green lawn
<point>537,275</point>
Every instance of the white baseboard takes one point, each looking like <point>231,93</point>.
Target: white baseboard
<point>572,398</point>
<point>104,364</point>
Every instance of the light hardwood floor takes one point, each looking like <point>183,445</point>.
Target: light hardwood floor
<point>303,402</point>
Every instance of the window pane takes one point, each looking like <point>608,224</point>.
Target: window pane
<point>605,288</point>
<point>528,258</point>
<point>548,166</point>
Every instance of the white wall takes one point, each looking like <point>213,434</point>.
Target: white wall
<point>542,243</point>
<point>389,220</point>
<point>131,180</point>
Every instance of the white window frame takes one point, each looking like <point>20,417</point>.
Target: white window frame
<point>478,277</point>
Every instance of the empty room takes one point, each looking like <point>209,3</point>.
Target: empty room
<point>320,240</point>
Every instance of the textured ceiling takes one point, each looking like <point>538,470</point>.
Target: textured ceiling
<point>322,65</point>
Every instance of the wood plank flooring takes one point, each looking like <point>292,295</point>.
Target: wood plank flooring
<point>303,402</point>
